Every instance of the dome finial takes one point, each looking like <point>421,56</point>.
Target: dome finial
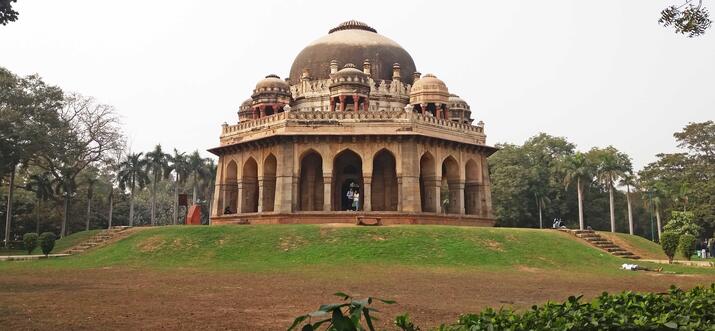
<point>352,25</point>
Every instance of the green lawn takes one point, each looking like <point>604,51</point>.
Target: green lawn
<point>60,244</point>
<point>287,247</point>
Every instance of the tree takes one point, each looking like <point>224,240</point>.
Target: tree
<point>688,18</point>
<point>7,14</point>
<point>578,168</point>
<point>669,243</point>
<point>681,222</point>
<point>88,134</point>
<point>132,174</point>
<point>197,169</point>
<point>629,180</point>
<point>41,185</point>
<point>28,111</point>
<point>30,239</point>
<point>47,242</point>
<point>210,180</point>
<point>90,178</point>
<point>179,165</point>
<point>612,165</point>
<point>157,165</point>
<point>686,245</point>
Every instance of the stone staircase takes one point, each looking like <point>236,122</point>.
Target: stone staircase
<point>99,239</point>
<point>595,239</point>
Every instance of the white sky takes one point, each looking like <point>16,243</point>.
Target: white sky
<point>597,72</point>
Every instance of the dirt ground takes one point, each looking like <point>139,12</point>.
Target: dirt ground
<point>119,298</point>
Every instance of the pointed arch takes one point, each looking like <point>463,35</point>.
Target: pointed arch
<point>270,166</point>
<point>449,186</point>
<point>347,172</point>
<point>249,183</point>
<point>383,195</point>
<point>472,197</point>
<point>230,192</point>
<point>428,183</point>
<point>310,185</point>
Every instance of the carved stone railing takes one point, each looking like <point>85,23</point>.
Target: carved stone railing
<point>338,116</point>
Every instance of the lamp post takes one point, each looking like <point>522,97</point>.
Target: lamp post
<point>650,209</point>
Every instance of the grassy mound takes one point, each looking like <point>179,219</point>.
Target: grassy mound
<point>636,244</point>
<point>282,247</point>
<point>60,244</point>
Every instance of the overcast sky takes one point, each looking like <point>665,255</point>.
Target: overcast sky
<point>597,72</point>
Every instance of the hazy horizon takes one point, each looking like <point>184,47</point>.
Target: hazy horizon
<point>598,73</point>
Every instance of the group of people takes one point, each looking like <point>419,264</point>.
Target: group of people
<point>706,248</point>
<point>558,224</point>
<point>353,196</point>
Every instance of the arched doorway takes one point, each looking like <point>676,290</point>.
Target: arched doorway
<point>347,172</point>
<point>449,189</point>
<point>230,193</point>
<point>310,191</point>
<point>471,188</point>
<point>383,195</point>
<point>427,183</point>
<point>269,183</point>
<point>250,186</point>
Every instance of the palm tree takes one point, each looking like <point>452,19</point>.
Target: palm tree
<point>179,165</point>
<point>629,180</point>
<point>197,170</point>
<point>132,174</point>
<point>41,184</point>
<point>157,164</point>
<point>578,168</point>
<point>612,165</point>
<point>210,182</point>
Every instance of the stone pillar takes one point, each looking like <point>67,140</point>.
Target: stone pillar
<point>366,104</point>
<point>367,192</point>
<point>342,102</point>
<point>327,191</point>
<point>456,197</point>
<point>409,180</point>
<point>241,197</point>
<point>217,190</point>
<point>424,108</point>
<point>486,190</point>
<point>262,109</point>
<point>255,113</point>
<point>438,111</point>
<point>332,104</point>
<point>356,101</point>
<point>399,193</point>
<point>261,182</point>
<point>433,191</point>
<point>284,179</point>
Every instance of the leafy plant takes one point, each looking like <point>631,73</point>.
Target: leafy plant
<point>404,323</point>
<point>30,240</point>
<point>686,245</point>
<point>682,222</point>
<point>342,316</point>
<point>669,243</point>
<point>47,242</point>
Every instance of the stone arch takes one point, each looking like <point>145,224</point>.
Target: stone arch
<point>471,188</point>
<point>383,195</point>
<point>428,183</point>
<point>310,184</point>
<point>449,186</point>
<point>249,203</point>
<point>230,195</point>
<point>270,166</point>
<point>347,170</point>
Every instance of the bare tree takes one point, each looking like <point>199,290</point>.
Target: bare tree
<point>688,18</point>
<point>89,134</point>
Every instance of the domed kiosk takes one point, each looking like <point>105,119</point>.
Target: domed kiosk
<point>354,134</point>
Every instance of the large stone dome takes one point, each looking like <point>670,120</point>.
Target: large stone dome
<point>353,42</point>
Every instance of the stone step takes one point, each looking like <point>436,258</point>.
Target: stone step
<point>582,231</point>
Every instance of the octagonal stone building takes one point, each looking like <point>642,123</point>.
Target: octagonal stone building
<point>354,134</point>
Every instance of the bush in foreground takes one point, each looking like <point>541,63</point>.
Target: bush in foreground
<point>30,240</point>
<point>47,242</point>
<point>686,245</point>
<point>669,243</point>
<point>675,310</point>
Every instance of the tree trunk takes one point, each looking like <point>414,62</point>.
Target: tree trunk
<point>538,205</point>
<point>657,218</point>
<point>579,190</point>
<point>630,210</point>
<point>176,199</point>
<point>37,223</point>
<point>194,198</point>
<point>153,201</point>
<point>613,211</point>
<point>210,197</point>
<point>65,219</point>
<point>111,203</point>
<point>89,212</point>
<point>131,207</point>
<point>8,216</point>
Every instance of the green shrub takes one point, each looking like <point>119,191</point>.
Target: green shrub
<point>669,243</point>
<point>30,240</point>
<point>686,245</point>
<point>340,316</point>
<point>47,242</point>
